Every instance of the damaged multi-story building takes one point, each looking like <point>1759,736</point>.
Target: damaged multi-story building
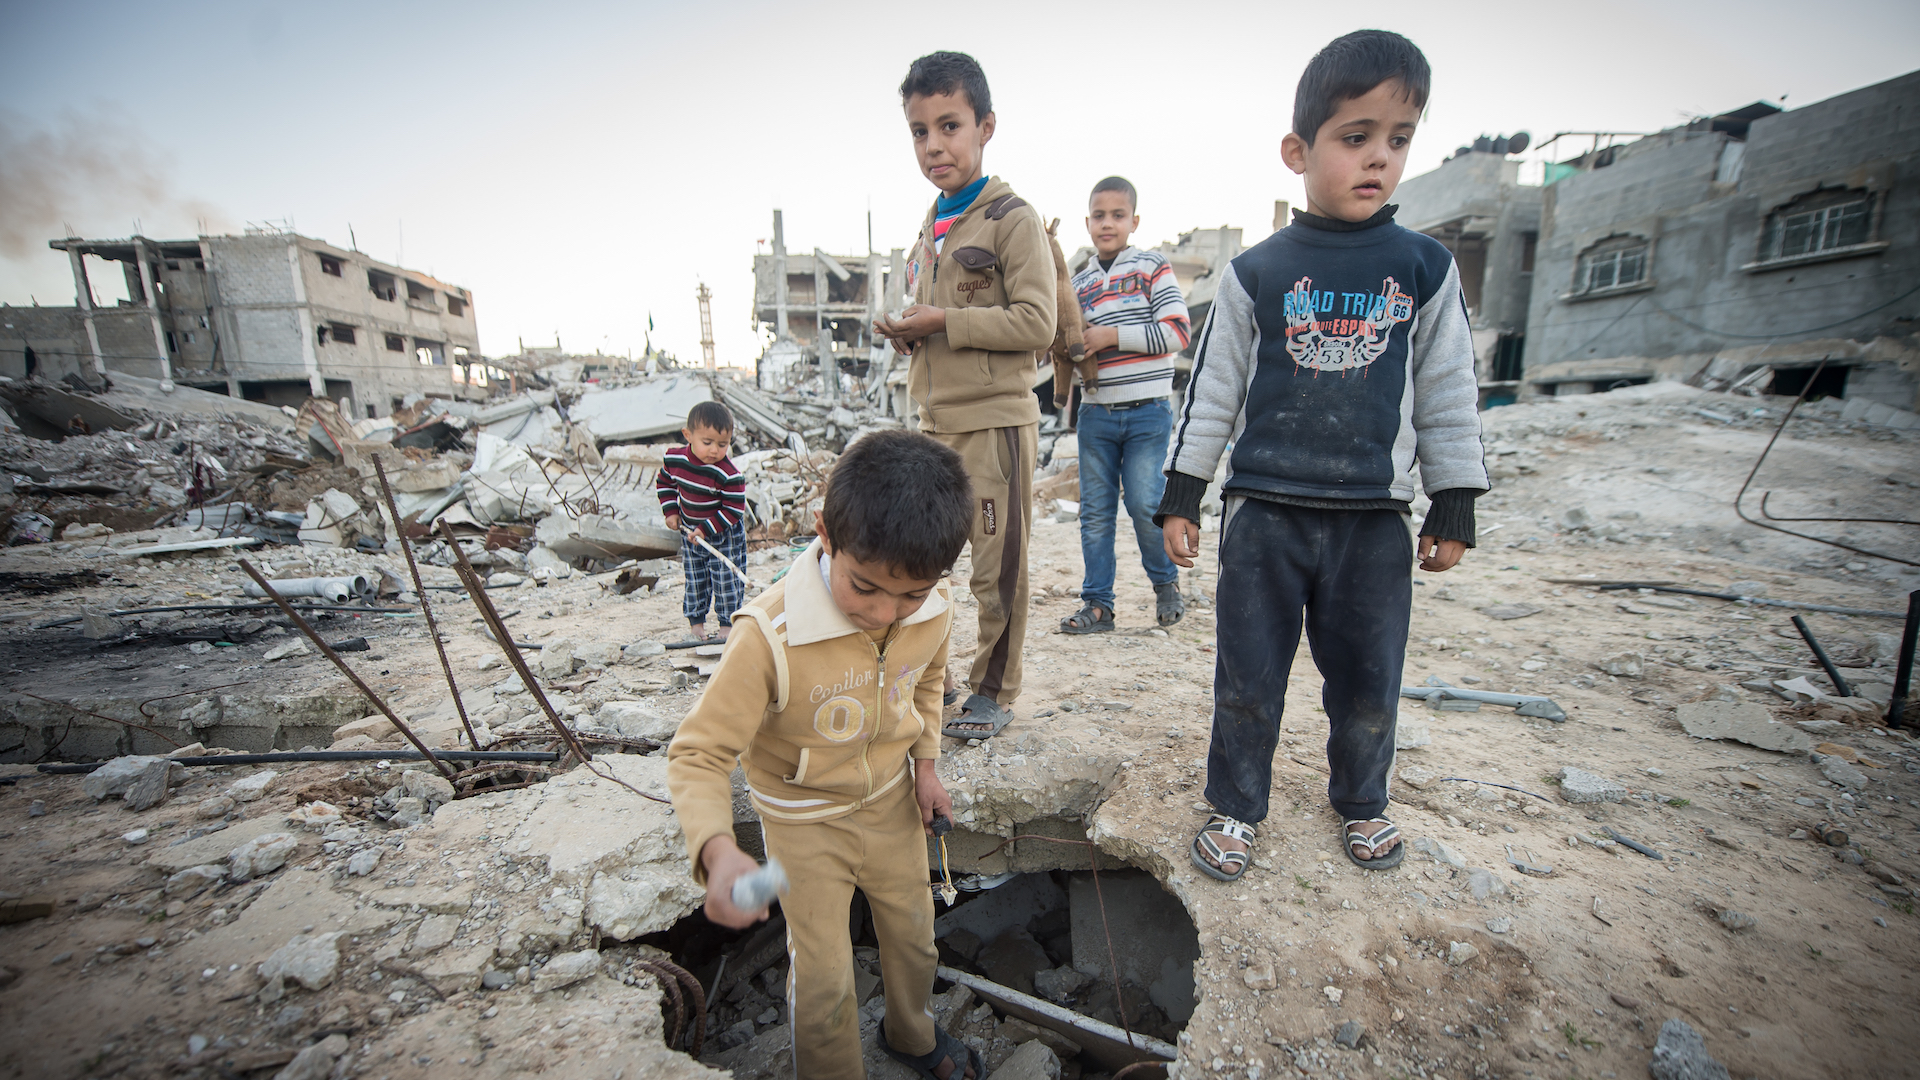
<point>1753,239</point>
<point>269,316</point>
<point>821,306</point>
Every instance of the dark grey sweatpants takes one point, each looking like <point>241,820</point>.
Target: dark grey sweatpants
<point>1347,576</point>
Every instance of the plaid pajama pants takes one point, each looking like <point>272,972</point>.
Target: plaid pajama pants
<point>709,582</point>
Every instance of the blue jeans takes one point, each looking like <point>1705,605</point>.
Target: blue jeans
<point>1121,451</point>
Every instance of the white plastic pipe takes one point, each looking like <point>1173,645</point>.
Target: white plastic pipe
<point>335,590</point>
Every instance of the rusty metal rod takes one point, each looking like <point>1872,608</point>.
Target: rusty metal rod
<point>490,617</point>
<point>326,650</point>
<point>426,606</point>
<point>1820,654</point>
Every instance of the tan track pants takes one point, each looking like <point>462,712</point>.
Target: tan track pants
<point>881,849</point>
<point>1000,462</point>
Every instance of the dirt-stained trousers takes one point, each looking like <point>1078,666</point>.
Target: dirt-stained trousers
<point>1347,575</point>
<point>1000,462</point>
<point>881,849</point>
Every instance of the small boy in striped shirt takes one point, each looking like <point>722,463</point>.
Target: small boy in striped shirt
<point>703,496</point>
<point>1136,321</point>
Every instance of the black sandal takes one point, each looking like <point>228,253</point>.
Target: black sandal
<point>1169,604</point>
<point>1085,622</point>
<point>1374,843</point>
<point>961,1058</point>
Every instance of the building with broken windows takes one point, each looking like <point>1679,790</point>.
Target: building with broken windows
<point>1739,249</point>
<point>820,306</point>
<point>269,316</point>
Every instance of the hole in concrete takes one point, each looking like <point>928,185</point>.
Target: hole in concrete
<point>1038,932</point>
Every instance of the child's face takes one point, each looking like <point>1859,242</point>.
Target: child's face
<point>1358,155</point>
<point>1110,221</point>
<point>947,141</point>
<point>708,445</point>
<point>872,595</point>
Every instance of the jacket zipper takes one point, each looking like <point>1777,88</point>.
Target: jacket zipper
<point>879,713</point>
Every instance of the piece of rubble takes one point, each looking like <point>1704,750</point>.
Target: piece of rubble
<point>1415,776</point>
<point>262,855</point>
<point>1257,977</point>
<point>363,862</point>
<point>252,788</point>
<point>555,660</point>
<point>1581,786</point>
<point>1508,612</point>
<point>1441,853</point>
<point>635,720</point>
<point>311,960</point>
<point>1681,1054</point>
<point>1032,1060</point>
<point>315,1061</point>
<point>316,815</point>
<point>288,649</point>
<point>149,789</point>
<point>136,837</point>
<point>1743,721</point>
<point>1838,771</point>
<point>116,776</point>
<point>566,969</point>
<point>375,727</point>
<point>1460,953</point>
<point>215,806</point>
<point>1485,883</point>
<point>1626,665</point>
<point>1411,734</point>
<point>195,878</point>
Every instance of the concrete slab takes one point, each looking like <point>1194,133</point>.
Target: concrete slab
<point>655,407</point>
<point>1742,721</point>
<point>215,846</point>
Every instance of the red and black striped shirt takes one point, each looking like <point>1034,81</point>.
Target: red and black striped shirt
<point>713,497</point>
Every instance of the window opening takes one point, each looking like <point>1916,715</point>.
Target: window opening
<point>396,343</point>
<point>383,285</point>
<point>1821,221</point>
<point>330,265</point>
<point>419,293</point>
<point>456,306</point>
<point>1508,354</point>
<point>430,353</point>
<point>1613,263</point>
<point>341,332</point>
<point>171,346</point>
<point>1831,383</point>
<point>1529,244</point>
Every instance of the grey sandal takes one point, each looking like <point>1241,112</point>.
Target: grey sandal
<point>1232,864</point>
<point>1373,844</point>
<point>1085,621</point>
<point>1169,605</point>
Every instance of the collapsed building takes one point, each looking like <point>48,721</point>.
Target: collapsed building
<point>269,316</point>
<point>1740,250</point>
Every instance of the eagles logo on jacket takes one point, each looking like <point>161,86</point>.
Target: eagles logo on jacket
<point>823,717</point>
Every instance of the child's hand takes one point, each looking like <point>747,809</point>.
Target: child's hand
<point>725,863</point>
<point>1437,555</point>
<point>1099,338</point>
<point>930,793</point>
<point>917,323</point>
<point>1181,538</point>
<point>673,522</point>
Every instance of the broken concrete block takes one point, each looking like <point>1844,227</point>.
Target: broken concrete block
<point>1838,771</point>
<point>544,558</point>
<point>261,855</point>
<point>194,878</point>
<point>1627,665</point>
<point>428,787</point>
<point>1485,883</point>
<point>116,776</point>
<point>1411,734</point>
<point>1581,786</point>
<point>363,862</point>
<point>1415,776</point>
<point>556,660</point>
<point>638,901</point>
<point>315,1061</point>
<point>215,806</point>
<point>149,789</point>
<point>600,654</point>
<point>96,624</point>
<point>1441,853</point>
<point>1260,977</point>
<point>373,727</point>
<point>408,811</point>
<point>636,720</point>
<point>1032,1060</point>
<point>251,788</point>
<point>1743,721</point>
<point>286,649</point>
<point>435,932</point>
<point>1060,984</point>
<point>1682,1055</point>
<point>1460,952</point>
<point>310,960</point>
<point>566,969</point>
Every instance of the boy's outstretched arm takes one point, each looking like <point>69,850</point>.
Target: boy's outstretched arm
<point>1216,398</point>
<point>700,763</point>
<point>1446,426</point>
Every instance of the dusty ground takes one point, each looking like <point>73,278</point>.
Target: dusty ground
<point>1572,973</point>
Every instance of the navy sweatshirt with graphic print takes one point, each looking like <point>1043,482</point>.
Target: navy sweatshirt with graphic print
<point>1336,356</point>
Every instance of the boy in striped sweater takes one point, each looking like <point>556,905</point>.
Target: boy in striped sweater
<point>704,496</point>
<point>1136,321</point>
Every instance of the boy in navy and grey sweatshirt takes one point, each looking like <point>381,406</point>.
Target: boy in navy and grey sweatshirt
<point>1336,357</point>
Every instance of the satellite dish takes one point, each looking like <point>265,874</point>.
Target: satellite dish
<point>1518,142</point>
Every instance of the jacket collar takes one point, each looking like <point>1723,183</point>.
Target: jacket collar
<point>811,613</point>
<point>995,188</point>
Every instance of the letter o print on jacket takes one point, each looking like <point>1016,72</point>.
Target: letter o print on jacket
<point>841,718</point>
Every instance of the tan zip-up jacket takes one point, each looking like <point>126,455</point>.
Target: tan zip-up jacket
<point>823,717</point>
<point>994,276</point>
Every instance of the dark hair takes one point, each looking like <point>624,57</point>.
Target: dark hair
<point>947,73</point>
<point>710,415</point>
<point>1119,184</point>
<point>899,498</point>
<point>1351,66</point>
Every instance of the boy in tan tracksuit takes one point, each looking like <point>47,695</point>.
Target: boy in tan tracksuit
<point>829,696</point>
<point>983,284</point>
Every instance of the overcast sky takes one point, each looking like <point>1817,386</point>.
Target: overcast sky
<point>582,166</point>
